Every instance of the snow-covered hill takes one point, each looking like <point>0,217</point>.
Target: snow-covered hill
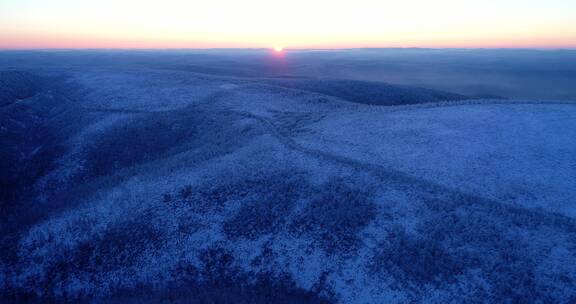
<point>133,185</point>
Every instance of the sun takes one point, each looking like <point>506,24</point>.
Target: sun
<point>278,49</point>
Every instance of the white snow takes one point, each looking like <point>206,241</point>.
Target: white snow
<point>397,162</point>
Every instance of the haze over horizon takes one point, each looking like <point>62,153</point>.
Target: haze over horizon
<point>31,24</point>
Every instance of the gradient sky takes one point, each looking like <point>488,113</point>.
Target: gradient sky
<point>289,23</point>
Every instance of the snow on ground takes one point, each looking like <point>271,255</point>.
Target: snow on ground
<point>155,185</point>
<point>519,154</point>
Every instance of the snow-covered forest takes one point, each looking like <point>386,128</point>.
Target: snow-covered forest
<point>214,177</point>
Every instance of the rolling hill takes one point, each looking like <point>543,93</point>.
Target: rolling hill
<point>122,184</point>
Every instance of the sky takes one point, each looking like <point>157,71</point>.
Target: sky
<point>289,23</point>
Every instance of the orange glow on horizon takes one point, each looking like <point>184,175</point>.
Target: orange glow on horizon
<point>136,44</point>
<point>126,41</point>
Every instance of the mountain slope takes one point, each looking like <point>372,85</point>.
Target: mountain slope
<point>174,186</point>
<point>364,92</point>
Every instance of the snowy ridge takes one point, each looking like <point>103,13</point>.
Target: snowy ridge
<point>176,187</point>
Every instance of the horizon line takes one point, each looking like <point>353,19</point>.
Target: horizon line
<point>272,48</point>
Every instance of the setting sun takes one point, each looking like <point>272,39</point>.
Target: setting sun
<point>278,49</point>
